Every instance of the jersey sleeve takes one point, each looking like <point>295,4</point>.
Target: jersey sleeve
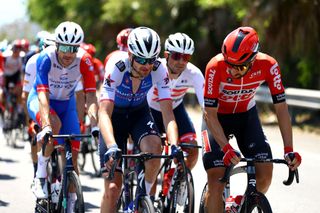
<point>30,73</point>
<point>87,71</point>
<point>211,84</point>
<point>273,78</point>
<point>43,68</point>
<point>114,71</point>
<point>198,85</point>
<point>161,79</point>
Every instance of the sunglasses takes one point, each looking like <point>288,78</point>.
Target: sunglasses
<point>177,56</point>
<point>240,67</point>
<point>144,61</point>
<point>67,48</point>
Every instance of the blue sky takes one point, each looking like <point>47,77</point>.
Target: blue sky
<point>11,10</point>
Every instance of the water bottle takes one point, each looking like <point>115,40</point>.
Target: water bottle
<point>55,189</point>
<point>233,204</point>
<point>167,181</point>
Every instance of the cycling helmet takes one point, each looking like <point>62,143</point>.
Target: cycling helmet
<point>69,33</point>
<point>144,42</point>
<point>25,44</point>
<point>89,48</point>
<point>47,40</point>
<point>16,44</point>
<point>122,38</point>
<point>241,46</point>
<point>179,42</point>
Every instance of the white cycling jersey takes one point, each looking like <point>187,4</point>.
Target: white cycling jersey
<point>191,77</point>
<point>30,75</point>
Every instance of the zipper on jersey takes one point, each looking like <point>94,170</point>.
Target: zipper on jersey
<point>240,92</point>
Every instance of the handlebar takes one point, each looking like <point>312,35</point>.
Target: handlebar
<point>70,137</point>
<point>143,156</point>
<point>292,174</point>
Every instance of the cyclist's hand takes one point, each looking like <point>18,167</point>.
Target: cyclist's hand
<point>95,132</point>
<point>47,130</point>
<point>110,156</point>
<point>293,158</point>
<point>230,155</point>
<point>177,153</point>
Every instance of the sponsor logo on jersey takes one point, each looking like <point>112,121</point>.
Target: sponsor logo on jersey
<point>208,102</point>
<point>255,74</point>
<point>166,80</point>
<point>211,75</point>
<point>57,66</point>
<point>275,72</point>
<point>121,66</point>
<point>64,77</point>
<point>237,95</point>
<point>108,81</point>
<point>156,64</point>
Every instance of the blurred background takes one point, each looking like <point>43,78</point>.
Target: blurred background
<point>289,30</point>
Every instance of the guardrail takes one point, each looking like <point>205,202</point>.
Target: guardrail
<point>303,98</point>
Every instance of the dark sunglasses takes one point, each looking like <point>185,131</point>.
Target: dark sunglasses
<point>144,61</point>
<point>177,56</point>
<point>240,67</point>
<point>67,48</point>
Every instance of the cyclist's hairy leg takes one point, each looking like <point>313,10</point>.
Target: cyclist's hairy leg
<point>151,144</point>
<point>192,158</point>
<point>112,190</point>
<point>263,176</point>
<point>213,198</point>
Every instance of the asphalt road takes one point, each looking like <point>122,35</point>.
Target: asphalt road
<point>16,177</point>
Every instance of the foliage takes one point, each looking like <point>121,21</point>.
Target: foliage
<point>288,29</point>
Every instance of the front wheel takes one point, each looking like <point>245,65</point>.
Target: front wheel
<point>145,205</point>
<point>182,195</point>
<point>202,199</point>
<point>256,202</point>
<point>72,179</point>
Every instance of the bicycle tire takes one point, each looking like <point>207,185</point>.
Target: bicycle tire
<point>79,204</point>
<point>82,155</point>
<point>202,199</point>
<point>256,202</point>
<point>188,205</point>
<point>145,205</point>
<point>94,157</point>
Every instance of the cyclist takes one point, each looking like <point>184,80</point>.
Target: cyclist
<point>231,80</point>
<point>179,48</point>
<point>12,66</point>
<point>97,64</point>
<point>51,101</point>
<point>122,43</point>
<point>124,110</point>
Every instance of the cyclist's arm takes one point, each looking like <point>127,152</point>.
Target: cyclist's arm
<point>169,121</point>
<point>44,108</point>
<point>105,124</point>
<point>91,101</point>
<point>211,118</point>
<point>284,121</point>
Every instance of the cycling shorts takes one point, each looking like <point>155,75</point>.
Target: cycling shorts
<point>186,129</point>
<point>138,122</point>
<point>66,111</point>
<point>246,128</point>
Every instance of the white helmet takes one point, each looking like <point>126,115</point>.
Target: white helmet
<point>179,42</point>
<point>144,42</point>
<point>69,33</point>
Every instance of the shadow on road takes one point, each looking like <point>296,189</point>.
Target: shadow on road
<point>7,160</point>
<point>6,177</point>
<point>89,206</point>
<point>89,189</point>
<point>3,203</point>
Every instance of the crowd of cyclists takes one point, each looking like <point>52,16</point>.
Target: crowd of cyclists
<point>134,96</point>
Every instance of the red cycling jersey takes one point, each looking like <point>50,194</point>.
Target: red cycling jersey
<point>232,95</point>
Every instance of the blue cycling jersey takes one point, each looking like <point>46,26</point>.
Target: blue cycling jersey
<point>117,85</point>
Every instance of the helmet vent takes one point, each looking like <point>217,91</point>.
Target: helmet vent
<point>66,37</point>
<point>72,39</point>
<point>238,40</point>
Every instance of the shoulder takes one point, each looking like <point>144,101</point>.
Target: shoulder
<point>193,70</point>
<point>33,59</point>
<point>216,61</point>
<point>265,59</point>
<point>118,61</point>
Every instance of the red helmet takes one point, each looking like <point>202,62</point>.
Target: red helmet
<point>16,44</point>
<point>89,48</point>
<point>122,38</point>
<point>241,46</point>
<point>25,44</point>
